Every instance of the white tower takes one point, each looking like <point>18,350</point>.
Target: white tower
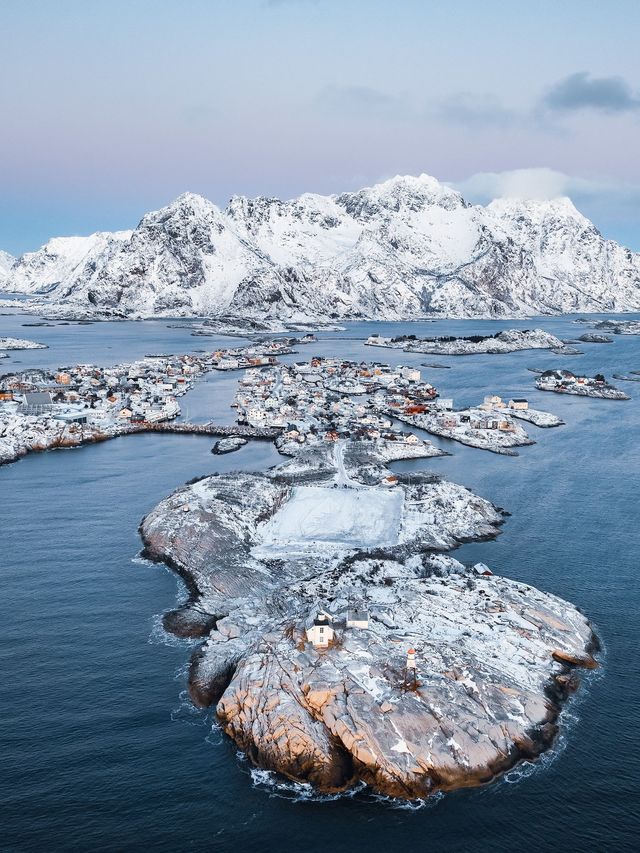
<point>411,669</point>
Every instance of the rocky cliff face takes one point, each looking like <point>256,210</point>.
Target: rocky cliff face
<point>406,248</point>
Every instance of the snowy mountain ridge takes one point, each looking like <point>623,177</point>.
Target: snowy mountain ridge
<point>406,248</point>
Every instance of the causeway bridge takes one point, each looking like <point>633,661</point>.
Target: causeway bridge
<point>216,430</point>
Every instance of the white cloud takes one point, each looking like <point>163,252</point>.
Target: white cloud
<point>517,183</point>
<point>544,183</point>
<point>612,205</point>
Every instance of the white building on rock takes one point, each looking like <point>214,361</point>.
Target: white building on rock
<point>321,633</point>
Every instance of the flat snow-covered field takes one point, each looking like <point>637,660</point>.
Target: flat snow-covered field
<point>360,518</point>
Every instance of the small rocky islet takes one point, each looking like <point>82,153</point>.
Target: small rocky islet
<point>319,540</point>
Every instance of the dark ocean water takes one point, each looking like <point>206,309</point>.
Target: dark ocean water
<point>100,748</point>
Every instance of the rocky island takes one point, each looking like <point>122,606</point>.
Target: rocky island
<point>341,644</point>
<point>509,340</point>
<point>593,338</point>
<point>18,344</point>
<point>228,445</point>
<point>620,327</point>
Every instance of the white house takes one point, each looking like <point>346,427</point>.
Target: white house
<point>256,416</point>
<point>321,633</point>
<point>228,364</point>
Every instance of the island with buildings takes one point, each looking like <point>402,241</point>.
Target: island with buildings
<point>509,340</point>
<point>565,382</point>
<point>86,403</point>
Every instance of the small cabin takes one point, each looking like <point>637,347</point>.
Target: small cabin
<point>357,618</point>
<point>321,633</point>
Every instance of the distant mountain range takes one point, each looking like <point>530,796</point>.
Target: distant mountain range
<point>407,248</point>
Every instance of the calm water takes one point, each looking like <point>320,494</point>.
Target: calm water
<point>100,747</point>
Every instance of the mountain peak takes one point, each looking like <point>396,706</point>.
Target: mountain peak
<point>560,207</point>
<point>408,193</point>
<point>185,208</point>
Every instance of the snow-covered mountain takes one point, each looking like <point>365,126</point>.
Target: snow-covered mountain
<point>62,259</point>
<point>6,262</point>
<point>406,248</point>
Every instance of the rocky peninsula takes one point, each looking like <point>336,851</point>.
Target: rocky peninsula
<point>332,539</point>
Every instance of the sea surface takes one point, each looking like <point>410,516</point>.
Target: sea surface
<point>100,748</point>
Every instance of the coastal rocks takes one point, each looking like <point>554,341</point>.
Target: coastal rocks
<point>263,553</point>
<point>537,417</point>
<point>21,434</point>
<point>488,650</point>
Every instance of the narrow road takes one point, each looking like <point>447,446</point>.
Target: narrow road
<point>342,478</point>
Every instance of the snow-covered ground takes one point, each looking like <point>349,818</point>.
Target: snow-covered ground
<point>352,518</point>
<point>509,340</point>
<point>534,416</point>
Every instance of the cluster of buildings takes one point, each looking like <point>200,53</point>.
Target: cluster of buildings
<point>262,354</point>
<point>559,380</point>
<point>330,398</point>
<point>145,390</point>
